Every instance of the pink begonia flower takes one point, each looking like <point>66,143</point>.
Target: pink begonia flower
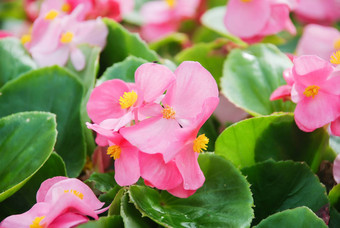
<point>163,17</point>
<point>115,103</point>
<point>180,107</point>
<point>318,11</point>
<point>54,40</point>
<point>101,161</point>
<point>336,169</point>
<point>284,92</point>
<point>319,40</point>
<point>61,202</point>
<point>316,92</point>
<point>251,20</point>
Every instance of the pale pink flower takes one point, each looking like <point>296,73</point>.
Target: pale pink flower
<point>181,105</point>
<point>319,40</point>
<point>163,17</point>
<point>252,20</point>
<point>115,103</point>
<point>336,169</point>
<point>318,11</point>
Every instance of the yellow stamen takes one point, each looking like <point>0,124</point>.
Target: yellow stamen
<point>76,193</point>
<point>311,91</point>
<point>114,151</point>
<point>171,3</point>
<point>66,37</point>
<point>168,112</point>
<point>26,38</point>
<point>128,99</point>
<point>201,143</point>
<point>51,15</point>
<point>335,58</point>
<point>36,221</point>
<point>66,8</point>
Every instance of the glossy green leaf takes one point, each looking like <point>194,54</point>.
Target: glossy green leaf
<point>132,217</point>
<point>213,19</point>
<point>334,221</point>
<point>277,186</point>
<point>210,55</point>
<point>52,90</point>
<point>104,222</point>
<point>104,182</point>
<point>300,217</point>
<point>14,60</point>
<point>25,198</point>
<point>124,70</point>
<point>271,137</point>
<point>120,44</point>
<point>251,75</point>
<point>223,201</point>
<point>26,142</point>
<point>334,197</point>
<point>170,45</point>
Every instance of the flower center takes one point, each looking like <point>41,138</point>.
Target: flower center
<point>335,58</point>
<point>26,38</point>
<point>128,99</point>
<point>66,37</point>
<point>168,112</point>
<point>51,15</point>
<point>337,44</point>
<point>36,221</point>
<point>66,8</point>
<point>201,143</point>
<point>171,3</point>
<point>114,152</point>
<point>311,91</point>
<point>76,193</point>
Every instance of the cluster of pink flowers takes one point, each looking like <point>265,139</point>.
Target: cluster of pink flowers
<point>61,202</point>
<point>56,35</point>
<point>151,125</point>
<point>313,84</point>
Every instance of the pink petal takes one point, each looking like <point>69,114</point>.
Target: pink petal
<point>153,79</point>
<point>288,76</point>
<point>332,84</point>
<point>68,220</point>
<point>58,57</point>
<point>78,59</point>
<point>283,92</point>
<point>101,161</point>
<point>335,127</point>
<point>158,173</point>
<point>180,192</point>
<point>104,101</point>
<point>127,171</point>
<point>155,135</point>
<point>153,32</point>
<point>246,19</point>
<point>186,8</point>
<point>85,33</point>
<point>126,6</point>
<point>336,169</point>
<point>156,12</point>
<point>46,185</point>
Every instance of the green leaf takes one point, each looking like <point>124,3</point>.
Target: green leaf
<point>14,60</point>
<point>271,137</point>
<point>25,198</point>
<point>104,222</point>
<point>251,75</point>
<point>300,217</point>
<point>120,44</point>
<point>170,45</point>
<point>213,19</point>
<point>124,70</point>
<point>223,201</point>
<point>52,90</point>
<point>277,186</point>
<point>132,217</point>
<point>210,55</point>
<point>26,142</point>
<point>334,221</point>
<point>104,182</point>
<point>334,197</point>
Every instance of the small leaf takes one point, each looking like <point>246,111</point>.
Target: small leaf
<point>104,222</point>
<point>251,75</point>
<point>300,217</point>
<point>277,186</point>
<point>223,201</point>
<point>104,182</point>
<point>26,142</point>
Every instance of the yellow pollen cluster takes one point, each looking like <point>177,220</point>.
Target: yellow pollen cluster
<point>66,37</point>
<point>128,99</point>
<point>168,112</point>
<point>171,3</point>
<point>51,15</point>
<point>311,91</point>
<point>114,151</point>
<point>76,193</point>
<point>36,221</point>
<point>201,143</point>
<point>66,8</point>
<point>26,38</point>
<point>335,58</point>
